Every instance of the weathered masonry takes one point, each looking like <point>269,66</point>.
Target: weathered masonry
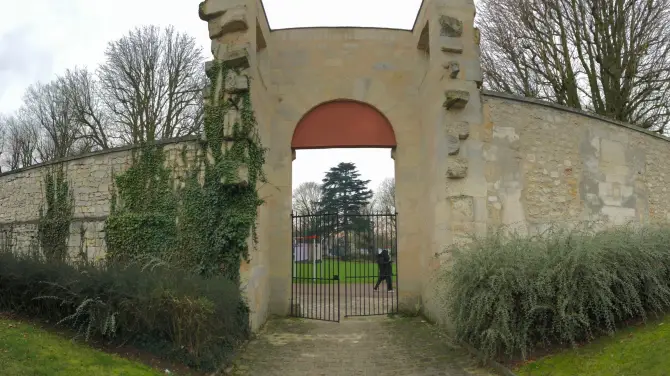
<point>465,160</point>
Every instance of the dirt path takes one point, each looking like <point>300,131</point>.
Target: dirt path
<point>366,346</point>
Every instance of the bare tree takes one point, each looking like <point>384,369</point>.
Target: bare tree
<point>384,198</point>
<point>152,81</point>
<point>383,202</point>
<point>48,107</point>
<point>611,57</point>
<point>21,138</point>
<point>306,198</point>
<point>89,112</point>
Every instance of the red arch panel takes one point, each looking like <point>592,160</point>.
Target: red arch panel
<point>343,124</point>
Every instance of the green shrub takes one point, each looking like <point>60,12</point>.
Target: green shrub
<point>509,294</point>
<point>175,314</point>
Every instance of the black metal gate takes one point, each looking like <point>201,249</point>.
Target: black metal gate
<point>344,264</point>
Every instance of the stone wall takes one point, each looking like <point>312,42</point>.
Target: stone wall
<point>533,164</point>
<point>547,164</point>
<point>464,161</point>
<point>90,178</point>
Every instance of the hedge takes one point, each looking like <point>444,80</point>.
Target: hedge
<point>509,294</point>
<point>175,314</point>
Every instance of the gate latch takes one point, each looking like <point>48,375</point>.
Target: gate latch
<point>336,277</point>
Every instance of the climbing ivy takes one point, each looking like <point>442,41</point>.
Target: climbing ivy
<point>55,215</point>
<point>219,199</point>
<point>142,210</point>
<point>6,239</point>
<point>206,223</point>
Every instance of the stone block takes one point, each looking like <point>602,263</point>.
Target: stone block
<point>612,152</point>
<point>209,10</point>
<point>457,168</point>
<point>236,57</point>
<point>478,36</point>
<point>454,68</point>
<point>237,82</point>
<point>450,27</point>
<point>462,129</point>
<point>461,208</point>
<point>230,21</point>
<point>453,144</point>
<point>618,215</point>
<point>451,45</point>
<point>456,99</point>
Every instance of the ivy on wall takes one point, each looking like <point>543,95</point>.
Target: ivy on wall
<point>55,215</point>
<point>219,197</point>
<point>6,239</point>
<point>206,222</point>
<point>142,209</point>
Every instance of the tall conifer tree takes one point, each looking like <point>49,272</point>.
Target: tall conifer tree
<point>346,194</point>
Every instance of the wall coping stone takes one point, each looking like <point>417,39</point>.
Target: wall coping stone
<point>168,141</point>
<point>518,98</point>
<point>75,219</point>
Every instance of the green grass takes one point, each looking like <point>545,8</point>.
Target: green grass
<point>28,351</point>
<point>636,350</point>
<point>349,271</point>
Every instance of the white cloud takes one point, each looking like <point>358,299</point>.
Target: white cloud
<point>373,164</point>
<point>43,39</point>
<point>398,14</point>
<point>56,35</point>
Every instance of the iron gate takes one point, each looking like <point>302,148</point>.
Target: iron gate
<point>344,263</point>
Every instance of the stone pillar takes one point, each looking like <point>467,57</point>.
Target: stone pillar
<point>451,120</point>
<point>238,41</point>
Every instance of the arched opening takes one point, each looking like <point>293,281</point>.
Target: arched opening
<point>344,234</point>
<point>343,124</point>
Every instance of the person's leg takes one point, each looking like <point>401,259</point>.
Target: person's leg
<point>379,280</point>
<point>389,282</point>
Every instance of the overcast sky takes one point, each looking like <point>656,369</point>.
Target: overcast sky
<point>42,38</point>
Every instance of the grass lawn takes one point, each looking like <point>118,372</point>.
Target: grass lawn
<point>26,350</point>
<point>349,271</point>
<point>635,350</point>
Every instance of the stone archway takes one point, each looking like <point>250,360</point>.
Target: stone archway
<point>334,271</point>
<point>343,123</point>
<point>425,81</point>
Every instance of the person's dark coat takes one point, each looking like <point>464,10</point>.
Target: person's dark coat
<point>384,262</point>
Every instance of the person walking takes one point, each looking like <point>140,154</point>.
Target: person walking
<point>385,269</point>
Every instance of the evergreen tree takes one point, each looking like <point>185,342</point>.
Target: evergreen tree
<point>345,194</point>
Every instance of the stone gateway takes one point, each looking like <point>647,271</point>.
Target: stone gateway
<point>466,160</point>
